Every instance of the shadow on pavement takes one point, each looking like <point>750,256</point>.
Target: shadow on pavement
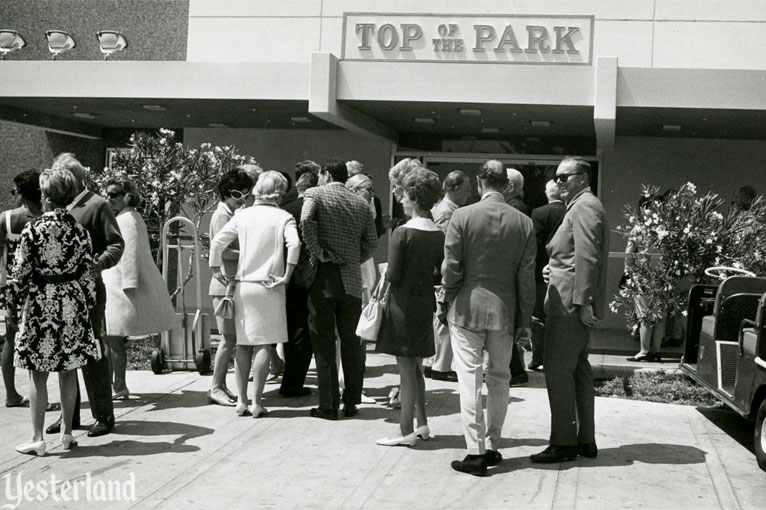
<point>732,424</point>
<point>162,401</point>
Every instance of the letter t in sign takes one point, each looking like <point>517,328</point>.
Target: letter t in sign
<point>366,29</point>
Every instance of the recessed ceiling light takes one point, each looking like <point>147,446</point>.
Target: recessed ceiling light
<point>300,120</point>
<point>217,125</point>
<point>85,115</point>
<point>671,127</point>
<point>470,111</point>
<point>155,107</point>
<point>424,120</point>
<point>490,130</point>
<point>541,123</point>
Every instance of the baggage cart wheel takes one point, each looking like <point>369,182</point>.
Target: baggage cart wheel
<point>158,361</point>
<point>760,436</point>
<point>202,361</point>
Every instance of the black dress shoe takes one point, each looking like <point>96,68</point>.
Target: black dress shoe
<point>493,457</point>
<point>474,465</point>
<point>302,392</point>
<point>318,412</point>
<point>102,427</point>
<point>55,427</point>
<point>427,371</point>
<point>654,357</point>
<point>589,450</point>
<point>535,366</point>
<point>555,454</point>
<point>450,376</point>
<point>350,410</point>
<point>519,379</point>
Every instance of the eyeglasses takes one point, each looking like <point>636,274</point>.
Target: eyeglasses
<point>565,177</point>
<point>114,194</point>
<point>239,195</point>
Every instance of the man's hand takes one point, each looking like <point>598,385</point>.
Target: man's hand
<point>96,268</point>
<point>586,315</point>
<point>523,338</point>
<point>547,273</point>
<point>441,313</point>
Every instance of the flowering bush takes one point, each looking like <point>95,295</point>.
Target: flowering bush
<point>679,236</point>
<point>172,178</point>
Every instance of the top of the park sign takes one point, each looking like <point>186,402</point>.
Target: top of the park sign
<point>467,38</point>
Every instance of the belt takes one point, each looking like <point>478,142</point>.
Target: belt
<point>54,279</point>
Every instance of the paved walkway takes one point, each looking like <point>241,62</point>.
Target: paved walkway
<point>182,452</point>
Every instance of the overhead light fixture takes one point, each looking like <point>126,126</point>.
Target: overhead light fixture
<point>10,40</point>
<point>217,125</point>
<point>155,107</point>
<point>490,130</point>
<point>85,115</point>
<point>59,41</point>
<point>300,120</point>
<point>541,123</point>
<point>424,120</point>
<point>471,112</point>
<point>111,41</point>
<point>671,127</point>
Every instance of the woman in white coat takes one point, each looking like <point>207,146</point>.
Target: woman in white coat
<point>137,301</point>
<point>263,232</point>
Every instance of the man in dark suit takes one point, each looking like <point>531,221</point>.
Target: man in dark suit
<point>489,290</point>
<point>298,350</point>
<point>339,233</point>
<point>546,220</point>
<point>575,300</point>
<point>92,212</point>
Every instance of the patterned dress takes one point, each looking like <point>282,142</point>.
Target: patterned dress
<point>49,291</point>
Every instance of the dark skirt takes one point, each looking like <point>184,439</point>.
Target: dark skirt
<point>407,328</point>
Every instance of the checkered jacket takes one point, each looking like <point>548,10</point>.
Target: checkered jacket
<point>338,227</point>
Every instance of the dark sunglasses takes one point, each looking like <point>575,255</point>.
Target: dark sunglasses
<point>565,177</point>
<point>238,195</point>
<point>114,194</point>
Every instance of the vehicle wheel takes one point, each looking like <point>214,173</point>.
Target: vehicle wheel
<point>760,436</point>
<point>202,361</point>
<point>158,361</point>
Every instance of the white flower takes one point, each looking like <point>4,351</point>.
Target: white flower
<point>687,229</point>
<point>684,313</point>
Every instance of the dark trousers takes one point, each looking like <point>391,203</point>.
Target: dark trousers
<point>569,381</point>
<point>298,349</point>
<point>96,374</point>
<point>331,307</point>
<point>538,322</point>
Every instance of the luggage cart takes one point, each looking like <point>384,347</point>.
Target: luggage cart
<point>187,348</point>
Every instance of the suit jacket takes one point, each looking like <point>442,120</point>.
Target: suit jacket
<point>92,212</point>
<point>488,271</point>
<point>338,228</point>
<point>442,213</point>
<point>519,205</point>
<point>578,255</point>
<point>546,220</point>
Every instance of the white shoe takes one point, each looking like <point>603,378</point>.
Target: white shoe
<point>67,441</point>
<point>36,447</point>
<point>368,400</point>
<point>408,440</point>
<point>423,433</point>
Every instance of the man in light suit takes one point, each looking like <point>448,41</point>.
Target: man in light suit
<point>489,287</point>
<point>575,301</point>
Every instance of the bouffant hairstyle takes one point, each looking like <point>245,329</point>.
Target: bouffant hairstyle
<point>132,194</point>
<point>59,185</point>
<point>234,180</point>
<point>399,171</point>
<point>28,185</point>
<point>493,175</point>
<point>354,167</point>
<point>422,187</point>
<point>270,187</point>
<point>337,170</point>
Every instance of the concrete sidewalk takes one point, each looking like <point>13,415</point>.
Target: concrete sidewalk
<point>183,452</point>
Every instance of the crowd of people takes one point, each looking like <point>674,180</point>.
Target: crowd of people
<point>467,283</point>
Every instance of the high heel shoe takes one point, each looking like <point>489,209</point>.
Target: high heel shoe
<point>241,409</point>
<point>36,447</point>
<point>408,440</point>
<point>423,433</point>
<point>68,441</point>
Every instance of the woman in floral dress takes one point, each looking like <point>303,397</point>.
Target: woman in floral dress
<point>49,294</point>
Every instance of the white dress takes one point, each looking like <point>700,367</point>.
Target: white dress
<point>263,232</point>
<point>137,301</point>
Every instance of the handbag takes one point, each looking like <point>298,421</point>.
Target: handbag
<point>372,313</point>
<point>225,308</point>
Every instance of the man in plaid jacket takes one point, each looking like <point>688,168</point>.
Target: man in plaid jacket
<point>339,234</point>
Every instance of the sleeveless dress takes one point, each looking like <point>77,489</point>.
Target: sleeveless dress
<point>50,290</point>
<point>11,242</point>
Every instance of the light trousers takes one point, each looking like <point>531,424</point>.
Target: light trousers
<point>468,346</point>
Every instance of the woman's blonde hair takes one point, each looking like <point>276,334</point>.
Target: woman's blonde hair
<point>399,171</point>
<point>271,186</point>
<point>59,185</point>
